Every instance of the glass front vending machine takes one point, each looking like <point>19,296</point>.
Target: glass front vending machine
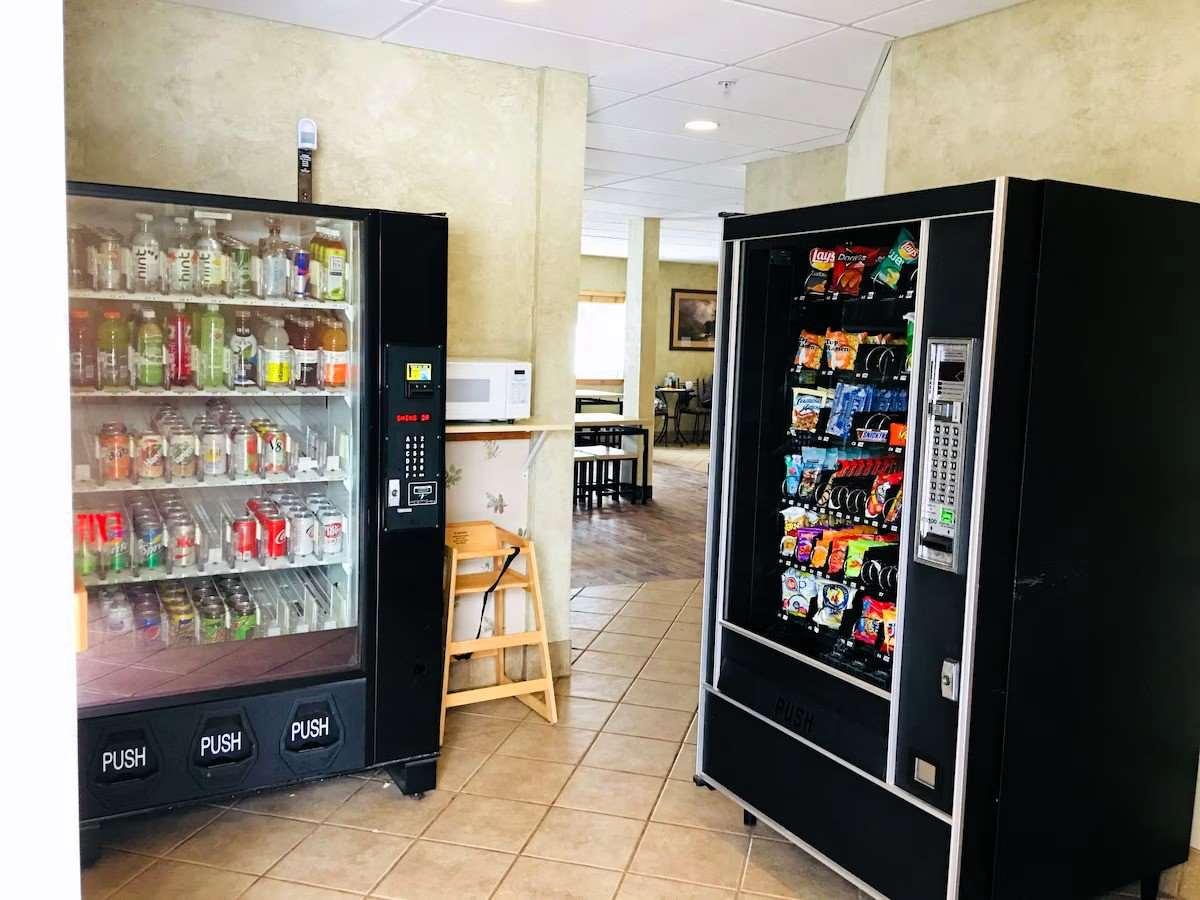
<point>256,422</point>
<point>948,642</point>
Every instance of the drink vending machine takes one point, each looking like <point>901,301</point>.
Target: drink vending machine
<point>948,633</point>
<point>257,409</point>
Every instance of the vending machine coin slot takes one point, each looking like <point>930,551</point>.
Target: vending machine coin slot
<point>946,445</point>
<point>415,416</point>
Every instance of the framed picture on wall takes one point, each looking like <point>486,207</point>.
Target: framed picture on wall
<point>693,319</point>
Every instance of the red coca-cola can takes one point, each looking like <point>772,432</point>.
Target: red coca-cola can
<point>257,505</point>
<point>244,538</point>
<point>274,534</point>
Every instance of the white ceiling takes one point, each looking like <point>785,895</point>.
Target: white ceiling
<point>798,71</point>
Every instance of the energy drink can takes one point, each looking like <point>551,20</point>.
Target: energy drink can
<point>300,274</point>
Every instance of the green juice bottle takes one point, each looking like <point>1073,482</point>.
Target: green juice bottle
<point>112,350</point>
<point>210,365</point>
<point>150,369</point>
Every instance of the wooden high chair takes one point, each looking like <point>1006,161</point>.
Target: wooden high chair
<point>486,540</point>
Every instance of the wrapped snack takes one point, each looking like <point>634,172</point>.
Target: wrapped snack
<point>891,267</point>
<point>848,399</point>
<point>810,350</point>
<point>841,348</point>
<point>791,477</point>
<point>873,621</point>
<point>793,520</point>
<point>850,267</point>
<point>820,263</point>
<point>855,552</point>
<point>812,459</point>
<point>806,539</point>
<point>807,404</point>
<point>883,490</point>
<point>891,513</point>
<point>798,591</point>
<point>889,628</point>
<point>787,545</point>
<point>833,598</point>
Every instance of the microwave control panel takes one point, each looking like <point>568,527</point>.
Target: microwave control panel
<point>413,432</point>
<point>946,443</point>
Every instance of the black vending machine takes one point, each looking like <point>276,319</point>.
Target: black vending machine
<point>257,413</point>
<point>949,633</point>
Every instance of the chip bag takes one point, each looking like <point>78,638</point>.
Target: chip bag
<point>890,268</point>
<point>820,263</point>
<point>841,348</point>
<point>810,350</point>
<point>850,265</point>
<point>811,461</point>
<point>807,404</point>
<point>833,598</point>
<point>873,621</point>
<point>797,592</point>
<point>883,490</point>
<point>806,540</point>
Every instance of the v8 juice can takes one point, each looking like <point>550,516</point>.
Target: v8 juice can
<point>274,448</point>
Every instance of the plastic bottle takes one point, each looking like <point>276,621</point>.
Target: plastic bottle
<point>179,345</point>
<point>210,359</point>
<point>83,349</point>
<point>210,260</point>
<point>335,355</point>
<point>243,352</point>
<point>112,350</point>
<point>275,354</point>
<point>275,264</point>
<point>306,355</point>
<point>316,263</point>
<point>144,247</point>
<point>333,269</point>
<point>149,368</point>
<point>181,259</point>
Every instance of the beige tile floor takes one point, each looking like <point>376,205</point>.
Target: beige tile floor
<point>601,805</point>
<point>693,457</point>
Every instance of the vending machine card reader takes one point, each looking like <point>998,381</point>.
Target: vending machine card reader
<point>946,443</point>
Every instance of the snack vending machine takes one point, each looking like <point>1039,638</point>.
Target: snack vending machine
<point>257,415</point>
<point>948,635</point>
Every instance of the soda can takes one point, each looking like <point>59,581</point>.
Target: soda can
<point>212,450</point>
<point>118,613</point>
<point>332,527</point>
<point>304,531</point>
<point>313,501</point>
<point>210,615</point>
<point>274,450</point>
<point>114,458</point>
<point>243,618</point>
<point>274,535</point>
<point>114,549</point>
<point>243,538</point>
<point>239,278</point>
<point>151,549</point>
<point>243,456</point>
<point>181,452</point>
<point>299,274</point>
<point>181,540</point>
<point>181,624</point>
<point>150,461</point>
<point>87,552</point>
<point>147,621</point>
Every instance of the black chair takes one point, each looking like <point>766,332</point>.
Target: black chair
<point>660,409</point>
<point>699,406</point>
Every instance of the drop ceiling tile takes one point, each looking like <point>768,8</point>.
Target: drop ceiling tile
<point>606,136</point>
<point>843,12</point>
<point>706,29</point>
<point>831,140</point>
<point>597,178</point>
<point>610,65</point>
<point>635,198</point>
<point>629,163</point>
<point>684,190</point>
<point>716,174</point>
<point>362,18</point>
<point>767,94</point>
<point>632,210</point>
<point>930,14</point>
<point>599,97</point>
<point>668,116</point>
<point>847,57</point>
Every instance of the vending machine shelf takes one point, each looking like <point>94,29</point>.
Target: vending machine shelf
<point>220,299</point>
<point>186,393</point>
<point>212,567</point>
<point>840,517</point>
<point>311,476</point>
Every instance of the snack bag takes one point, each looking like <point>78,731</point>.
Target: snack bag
<point>811,461</point>
<point>873,620</point>
<point>841,348</point>
<point>833,598</point>
<point>855,551</point>
<point>797,592</point>
<point>820,264</point>
<point>793,521</point>
<point>787,545</point>
<point>810,350</point>
<point>889,628</point>
<point>791,476</point>
<point>807,404</point>
<point>806,539</point>
<point>850,266</point>
<point>903,253</point>
<point>895,506</point>
<point>848,399</point>
<point>883,490</point>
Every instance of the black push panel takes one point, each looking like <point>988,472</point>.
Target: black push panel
<point>956,284</point>
<point>899,850</point>
<point>835,714</point>
<point>197,751</point>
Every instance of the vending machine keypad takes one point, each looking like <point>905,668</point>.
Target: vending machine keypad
<point>945,443</point>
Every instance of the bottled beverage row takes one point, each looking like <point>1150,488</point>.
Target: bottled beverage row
<point>153,537</point>
<point>206,349</point>
<point>219,443</point>
<point>180,613</point>
<point>190,255</point>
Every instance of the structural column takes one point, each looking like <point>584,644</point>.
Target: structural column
<point>641,320</point>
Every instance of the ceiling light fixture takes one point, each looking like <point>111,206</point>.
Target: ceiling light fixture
<point>701,125</point>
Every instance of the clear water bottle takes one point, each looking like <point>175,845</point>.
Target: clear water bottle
<point>145,276</point>
<point>275,263</point>
<point>181,259</point>
<point>210,260</point>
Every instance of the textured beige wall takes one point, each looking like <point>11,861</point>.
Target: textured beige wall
<point>176,97</point>
<point>604,273</point>
<point>802,179</point>
<point>866,151</point>
<point>1099,91</point>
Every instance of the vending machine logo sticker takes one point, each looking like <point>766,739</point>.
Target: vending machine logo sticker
<point>125,756</point>
<point>222,740</point>
<point>312,727</point>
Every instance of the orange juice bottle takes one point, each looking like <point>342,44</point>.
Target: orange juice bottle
<point>335,355</point>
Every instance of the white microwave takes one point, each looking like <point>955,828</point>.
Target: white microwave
<point>487,390</point>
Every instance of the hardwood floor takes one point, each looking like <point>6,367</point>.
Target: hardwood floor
<point>633,543</point>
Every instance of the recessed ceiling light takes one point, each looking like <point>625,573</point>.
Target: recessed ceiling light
<point>702,125</point>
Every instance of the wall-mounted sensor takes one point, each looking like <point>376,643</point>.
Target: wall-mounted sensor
<point>306,143</point>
